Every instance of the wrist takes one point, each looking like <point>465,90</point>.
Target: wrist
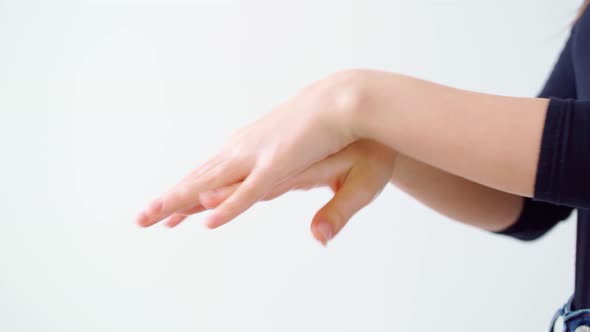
<point>349,99</point>
<point>368,99</point>
<point>405,173</point>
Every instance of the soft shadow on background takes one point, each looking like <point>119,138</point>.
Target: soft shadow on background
<point>104,105</point>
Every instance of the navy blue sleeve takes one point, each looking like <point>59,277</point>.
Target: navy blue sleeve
<point>563,174</point>
<point>565,135</point>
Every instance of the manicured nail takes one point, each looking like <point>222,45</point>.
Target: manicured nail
<point>325,230</point>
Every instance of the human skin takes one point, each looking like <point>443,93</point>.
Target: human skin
<point>356,174</point>
<point>481,148</point>
<point>450,195</point>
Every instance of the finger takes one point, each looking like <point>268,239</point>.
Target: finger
<point>207,166</point>
<point>314,176</point>
<point>211,199</point>
<point>247,194</point>
<point>208,200</point>
<point>309,178</point>
<point>177,218</point>
<point>185,194</point>
<point>322,173</point>
<point>360,186</point>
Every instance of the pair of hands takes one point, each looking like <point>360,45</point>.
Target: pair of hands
<point>309,141</point>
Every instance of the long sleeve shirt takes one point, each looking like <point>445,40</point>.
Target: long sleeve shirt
<point>562,181</point>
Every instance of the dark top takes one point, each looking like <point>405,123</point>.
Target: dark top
<point>563,173</point>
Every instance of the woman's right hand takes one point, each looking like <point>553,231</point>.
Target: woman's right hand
<point>356,174</point>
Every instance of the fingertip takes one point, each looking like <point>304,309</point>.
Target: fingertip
<point>146,217</point>
<point>141,219</point>
<point>213,221</point>
<point>210,225</point>
<point>323,231</point>
<point>175,220</point>
<point>323,242</point>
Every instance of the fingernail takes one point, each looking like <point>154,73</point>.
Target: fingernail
<point>325,230</point>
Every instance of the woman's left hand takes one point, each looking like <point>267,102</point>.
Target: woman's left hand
<point>298,133</point>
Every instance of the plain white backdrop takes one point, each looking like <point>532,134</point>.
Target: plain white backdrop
<point>105,104</point>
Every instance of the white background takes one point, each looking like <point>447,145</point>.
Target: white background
<point>104,105</point>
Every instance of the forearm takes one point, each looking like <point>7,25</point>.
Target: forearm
<point>488,139</point>
<point>456,197</point>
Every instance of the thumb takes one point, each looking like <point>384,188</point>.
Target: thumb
<point>361,185</point>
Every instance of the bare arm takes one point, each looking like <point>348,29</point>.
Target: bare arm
<point>492,141</point>
<point>481,206</point>
<point>456,197</point>
<point>488,139</point>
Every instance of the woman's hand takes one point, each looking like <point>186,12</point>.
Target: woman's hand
<point>298,133</point>
<point>356,175</point>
